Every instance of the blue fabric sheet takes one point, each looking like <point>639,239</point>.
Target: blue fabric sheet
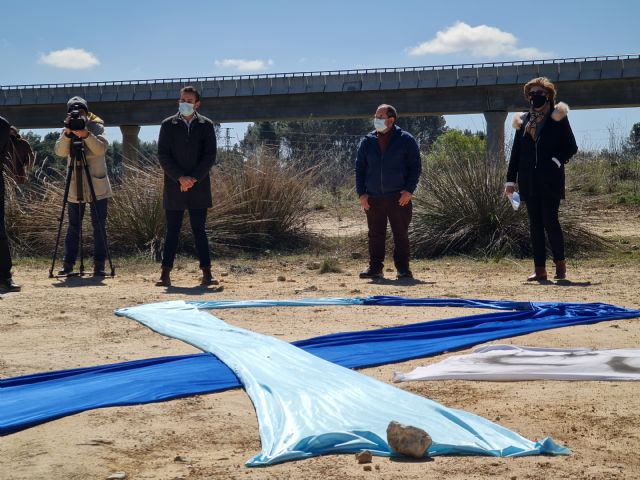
<point>34,399</point>
<point>307,406</point>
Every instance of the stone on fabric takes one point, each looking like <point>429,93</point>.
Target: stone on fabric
<point>408,440</point>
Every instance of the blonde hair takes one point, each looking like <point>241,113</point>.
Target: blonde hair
<point>545,83</point>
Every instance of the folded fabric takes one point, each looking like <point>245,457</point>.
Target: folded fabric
<point>512,362</point>
<point>33,399</point>
<point>307,406</point>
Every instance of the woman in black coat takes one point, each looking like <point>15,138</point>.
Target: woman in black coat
<point>543,144</point>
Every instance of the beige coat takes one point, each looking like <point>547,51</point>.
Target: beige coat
<point>95,147</point>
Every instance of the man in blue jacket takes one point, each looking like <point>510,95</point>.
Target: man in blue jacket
<point>388,168</point>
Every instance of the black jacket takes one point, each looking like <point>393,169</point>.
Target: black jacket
<point>398,169</point>
<point>531,165</point>
<point>190,152</point>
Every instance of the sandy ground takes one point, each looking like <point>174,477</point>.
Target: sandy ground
<point>54,325</point>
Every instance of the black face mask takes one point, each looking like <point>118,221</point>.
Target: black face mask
<point>538,100</point>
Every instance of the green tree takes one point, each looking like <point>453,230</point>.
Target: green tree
<point>455,145</point>
<point>329,146</point>
<point>633,142</point>
<point>259,135</point>
<point>425,129</point>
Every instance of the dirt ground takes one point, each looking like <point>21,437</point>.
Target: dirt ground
<point>54,324</point>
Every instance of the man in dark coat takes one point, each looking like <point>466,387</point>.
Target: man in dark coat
<point>187,151</point>
<point>6,281</point>
<point>388,168</point>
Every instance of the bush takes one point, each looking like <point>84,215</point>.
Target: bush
<point>258,203</point>
<point>330,265</point>
<point>460,208</point>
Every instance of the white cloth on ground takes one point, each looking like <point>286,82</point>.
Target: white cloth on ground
<point>512,363</point>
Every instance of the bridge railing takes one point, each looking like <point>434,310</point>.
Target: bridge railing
<point>464,72</point>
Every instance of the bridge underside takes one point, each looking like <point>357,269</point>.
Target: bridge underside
<point>492,100</point>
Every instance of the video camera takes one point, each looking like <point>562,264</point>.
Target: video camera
<point>75,121</point>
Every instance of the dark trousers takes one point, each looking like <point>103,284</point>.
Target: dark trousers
<point>5,253</point>
<point>380,210</point>
<point>72,239</point>
<point>543,216</point>
<point>197,217</point>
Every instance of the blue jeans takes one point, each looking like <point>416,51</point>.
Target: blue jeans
<point>72,239</point>
<point>197,217</point>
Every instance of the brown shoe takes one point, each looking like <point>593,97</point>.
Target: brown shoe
<point>207,277</point>
<point>561,270</point>
<point>540,275</point>
<point>165,279</point>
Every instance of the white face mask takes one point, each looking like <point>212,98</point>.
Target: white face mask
<point>379,124</point>
<point>185,109</point>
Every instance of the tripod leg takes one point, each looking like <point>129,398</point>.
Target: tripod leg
<point>81,208</point>
<point>94,206</point>
<point>65,197</point>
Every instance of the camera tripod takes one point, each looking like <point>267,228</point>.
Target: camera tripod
<point>77,166</point>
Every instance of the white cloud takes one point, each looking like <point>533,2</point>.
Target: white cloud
<point>480,41</point>
<point>242,65</point>
<point>70,58</point>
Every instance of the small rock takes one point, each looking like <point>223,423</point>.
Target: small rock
<point>224,274</point>
<point>117,476</point>
<point>355,290</point>
<point>356,255</point>
<point>281,278</point>
<point>182,458</point>
<point>311,288</point>
<point>408,440</point>
<point>313,265</point>
<point>364,456</point>
<point>367,468</point>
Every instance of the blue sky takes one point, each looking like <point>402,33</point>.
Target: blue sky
<point>52,42</point>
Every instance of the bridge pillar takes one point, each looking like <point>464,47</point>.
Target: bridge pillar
<point>130,143</point>
<point>495,136</point>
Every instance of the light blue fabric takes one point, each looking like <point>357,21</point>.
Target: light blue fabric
<point>307,406</point>
<point>29,400</point>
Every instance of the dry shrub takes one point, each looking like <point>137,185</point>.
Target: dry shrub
<point>460,208</point>
<point>32,214</point>
<point>259,203</point>
<point>136,218</point>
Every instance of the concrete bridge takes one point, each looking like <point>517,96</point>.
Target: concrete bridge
<point>489,88</point>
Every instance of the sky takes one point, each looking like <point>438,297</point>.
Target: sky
<point>53,42</point>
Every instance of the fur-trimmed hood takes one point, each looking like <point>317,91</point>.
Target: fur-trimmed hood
<point>559,112</point>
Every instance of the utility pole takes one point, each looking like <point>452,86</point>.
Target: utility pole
<point>227,139</point>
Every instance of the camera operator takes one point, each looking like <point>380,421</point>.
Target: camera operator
<point>6,282</point>
<point>85,131</point>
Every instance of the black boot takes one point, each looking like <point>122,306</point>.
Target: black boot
<point>67,269</point>
<point>8,285</point>
<point>165,279</point>
<point>207,277</point>
<point>372,272</point>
